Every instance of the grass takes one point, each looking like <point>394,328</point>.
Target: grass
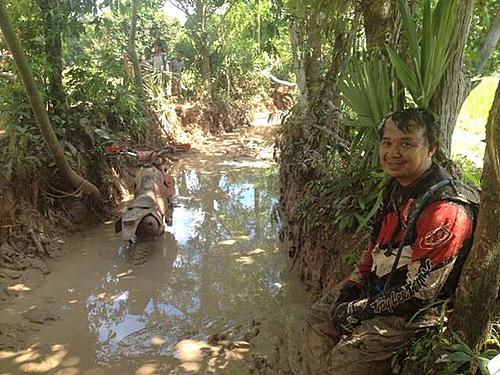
<point>470,129</point>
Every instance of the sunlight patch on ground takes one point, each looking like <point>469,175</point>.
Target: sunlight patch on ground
<point>247,163</point>
<point>157,341</point>
<point>261,119</point>
<point>190,353</point>
<point>19,288</point>
<point>48,363</point>
<point>249,257</point>
<point>128,272</point>
<point>68,371</point>
<point>243,237</point>
<point>256,251</point>
<point>29,355</point>
<point>70,362</point>
<point>245,260</point>
<point>226,242</point>
<point>147,369</point>
<point>194,354</point>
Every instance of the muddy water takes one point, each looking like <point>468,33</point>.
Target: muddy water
<point>214,295</point>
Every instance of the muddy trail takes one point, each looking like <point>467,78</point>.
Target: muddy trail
<point>213,295</point>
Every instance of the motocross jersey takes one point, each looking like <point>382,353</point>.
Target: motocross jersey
<point>427,257</point>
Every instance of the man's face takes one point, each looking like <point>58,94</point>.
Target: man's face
<point>405,156</point>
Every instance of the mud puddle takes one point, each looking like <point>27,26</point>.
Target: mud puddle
<point>214,294</point>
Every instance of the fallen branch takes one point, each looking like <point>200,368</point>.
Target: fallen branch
<point>38,244</point>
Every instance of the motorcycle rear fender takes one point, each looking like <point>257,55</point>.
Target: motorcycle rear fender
<point>131,219</point>
<point>142,202</point>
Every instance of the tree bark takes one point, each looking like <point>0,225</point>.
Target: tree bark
<point>455,84</point>
<point>38,106</point>
<point>132,50</point>
<point>378,17</point>
<point>257,32</point>
<point>53,53</point>
<point>297,40</point>
<point>489,44</point>
<point>477,293</point>
<point>312,61</point>
<point>202,41</point>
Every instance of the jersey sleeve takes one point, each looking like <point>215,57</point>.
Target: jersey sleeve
<point>359,275</point>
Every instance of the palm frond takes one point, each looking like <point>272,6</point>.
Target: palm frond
<point>429,48</point>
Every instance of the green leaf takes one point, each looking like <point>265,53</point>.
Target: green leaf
<point>405,74</point>
<point>483,365</point>
<point>460,357</point>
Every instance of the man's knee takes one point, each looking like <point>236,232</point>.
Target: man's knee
<point>369,350</point>
<point>319,335</point>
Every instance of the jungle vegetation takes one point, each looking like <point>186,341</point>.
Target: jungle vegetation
<point>70,84</point>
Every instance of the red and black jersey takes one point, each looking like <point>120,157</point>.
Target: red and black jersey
<point>427,257</point>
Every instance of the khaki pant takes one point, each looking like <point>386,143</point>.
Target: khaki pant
<point>368,351</point>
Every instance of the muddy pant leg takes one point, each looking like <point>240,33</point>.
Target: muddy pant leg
<point>370,348</point>
<point>319,335</point>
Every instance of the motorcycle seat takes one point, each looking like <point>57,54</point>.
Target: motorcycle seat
<point>142,201</point>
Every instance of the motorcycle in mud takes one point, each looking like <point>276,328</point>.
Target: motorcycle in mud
<point>152,207</point>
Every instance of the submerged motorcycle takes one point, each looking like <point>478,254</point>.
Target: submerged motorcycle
<point>152,207</point>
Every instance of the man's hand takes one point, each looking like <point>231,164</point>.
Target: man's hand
<point>349,292</point>
<point>347,315</point>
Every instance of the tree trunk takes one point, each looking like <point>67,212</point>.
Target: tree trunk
<point>378,17</point>
<point>53,52</point>
<point>455,85</point>
<point>297,40</point>
<point>258,25</point>
<point>132,50</point>
<point>202,41</point>
<point>477,293</point>
<point>489,44</point>
<point>312,61</point>
<point>38,106</point>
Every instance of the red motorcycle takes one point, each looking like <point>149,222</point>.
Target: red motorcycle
<point>152,207</point>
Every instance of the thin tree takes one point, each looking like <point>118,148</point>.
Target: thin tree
<point>38,106</point>
<point>477,293</point>
<point>489,43</point>
<point>456,84</point>
<point>52,29</point>
<point>132,50</point>
<point>202,44</point>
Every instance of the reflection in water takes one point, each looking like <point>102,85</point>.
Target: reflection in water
<point>214,292</point>
<point>223,259</point>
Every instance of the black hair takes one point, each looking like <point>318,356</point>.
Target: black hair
<point>411,118</point>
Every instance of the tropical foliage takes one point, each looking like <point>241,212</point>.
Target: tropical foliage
<point>88,82</point>
<point>429,49</point>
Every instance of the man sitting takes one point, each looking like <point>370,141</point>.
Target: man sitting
<point>414,257</point>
